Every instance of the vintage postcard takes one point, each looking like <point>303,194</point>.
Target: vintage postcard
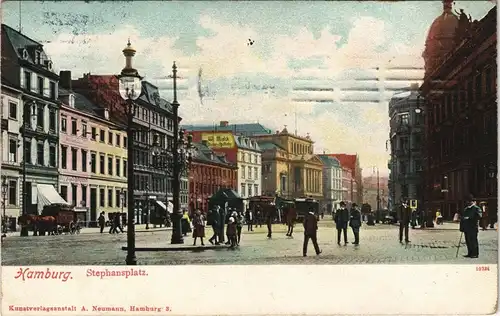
<point>257,157</point>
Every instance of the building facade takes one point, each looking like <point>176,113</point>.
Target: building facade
<point>289,167</point>
<point>93,156</point>
<point>352,183</point>
<point>373,186</point>
<point>26,67</point>
<point>332,183</point>
<point>461,117</point>
<point>153,120</point>
<point>406,112</point>
<point>11,144</point>
<point>209,172</point>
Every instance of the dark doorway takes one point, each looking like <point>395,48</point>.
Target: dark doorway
<point>28,198</point>
<point>93,207</point>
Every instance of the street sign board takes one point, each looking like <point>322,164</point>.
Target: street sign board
<point>413,204</point>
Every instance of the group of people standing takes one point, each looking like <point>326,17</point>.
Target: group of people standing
<point>115,223</point>
<point>230,221</point>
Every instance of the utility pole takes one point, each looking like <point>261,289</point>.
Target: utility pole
<point>378,196</point>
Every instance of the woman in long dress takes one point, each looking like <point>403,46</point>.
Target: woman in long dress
<point>198,227</point>
<point>185,223</point>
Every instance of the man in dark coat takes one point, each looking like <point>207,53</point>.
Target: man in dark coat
<point>270,214</point>
<point>341,219</point>
<point>469,226</point>
<point>404,216</point>
<point>310,232</point>
<point>102,222</point>
<point>355,222</point>
<point>291,215</point>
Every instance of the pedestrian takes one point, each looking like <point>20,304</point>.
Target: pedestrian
<point>259,216</point>
<point>118,223</point>
<point>270,214</point>
<point>102,221</point>
<point>249,219</point>
<point>310,232</point>
<point>185,223</point>
<point>231,232</point>
<point>484,219</point>
<point>198,227</point>
<point>291,215</point>
<point>355,222</point>
<point>471,215</point>
<point>341,219</point>
<point>223,220</point>
<point>239,225</point>
<point>213,219</point>
<point>404,220</point>
<point>229,215</point>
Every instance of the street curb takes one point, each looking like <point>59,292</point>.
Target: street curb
<point>187,248</point>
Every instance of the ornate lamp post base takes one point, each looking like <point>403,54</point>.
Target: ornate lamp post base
<point>131,260</point>
<point>176,230</point>
<point>24,231</point>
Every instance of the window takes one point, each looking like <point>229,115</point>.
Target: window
<point>12,192</point>
<point>52,155</point>
<point>12,150</point>
<point>74,194</point>
<point>64,157</point>
<point>38,58</point>
<point>243,172</point>
<point>93,162</point>
<point>404,119</point>
<point>418,165</point>
<point>27,154</point>
<point>40,85</point>
<point>101,163</point>
<point>110,166</point>
<point>118,198</point>
<point>84,194</point>
<point>64,192</point>
<point>74,157</point>
<point>84,160</point>
<point>110,138</point>
<point>125,168</point>
<point>27,80</point>
<point>118,138</point>
<point>94,133</point>
<point>162,121</point>
<point>52,120</point>
<point>13,110</point>
<point>170,125</point>
<point>102,136</point>
<point>124,142</point>
<point>101,197</point>
<point>256,189</point>
<point>125,201</point>
<point>243,189</point>
<point>250,190</point>
<point>110,197</point>
<point>73,127</point>
<point>40,154</point>
<point>117,167</point>
<point>63,123</point>
<point>84,129</point>
<point>255,173</point>
<point>52,90</point>
<point>249,172</point>
<point>39,117</point>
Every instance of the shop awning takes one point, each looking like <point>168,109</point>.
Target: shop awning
<point>170,207</point>
<point>47,195</point>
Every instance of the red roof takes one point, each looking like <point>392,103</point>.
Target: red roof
<point>348,161</point>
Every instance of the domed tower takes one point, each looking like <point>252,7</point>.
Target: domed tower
<point>441,37</point>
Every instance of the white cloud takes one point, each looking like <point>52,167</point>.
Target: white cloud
<point>225,54</point>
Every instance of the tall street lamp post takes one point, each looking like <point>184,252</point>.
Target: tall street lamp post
<point>130,89</point>
<point>28,113</point>
<point>122,198</point>
<point>5,187</point>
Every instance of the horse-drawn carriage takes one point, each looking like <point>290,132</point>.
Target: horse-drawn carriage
<point>55,219</point>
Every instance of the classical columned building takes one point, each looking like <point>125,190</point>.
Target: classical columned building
<point>461,114</point>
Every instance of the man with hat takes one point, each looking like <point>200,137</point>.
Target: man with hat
<point>404,216</point>
<point>341,219</point>
<point>355,222</point>
<point>469,226</point>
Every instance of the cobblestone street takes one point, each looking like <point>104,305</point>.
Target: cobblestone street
<point>379,245</point>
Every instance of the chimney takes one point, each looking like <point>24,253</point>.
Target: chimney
<point>65,79</point>
<point>223,123</point>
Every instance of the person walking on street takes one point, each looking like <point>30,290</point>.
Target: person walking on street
<point>213,219</point>
<point>258,213</point>
<point>102,222</point>
<point>239,225</point>
<point>231,232</point>
<point>291,215</point>
<point>404,220</point>
<point>310,232</point>
<point>198,227</point>
<point>185,223</point>
<point>270,214</point>
<point>249,220</point>
<point>471,215</point>
<point>341,219</point>
<point>355,222</point>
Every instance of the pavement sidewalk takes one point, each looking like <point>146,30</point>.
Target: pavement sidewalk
<point>97,230</point>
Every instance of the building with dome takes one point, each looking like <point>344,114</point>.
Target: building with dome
<point>459,89</point>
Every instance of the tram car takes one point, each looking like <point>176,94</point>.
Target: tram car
<point>303,205</point>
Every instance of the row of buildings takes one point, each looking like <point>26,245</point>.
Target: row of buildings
<point>444,133</point>
<point>64,138</point>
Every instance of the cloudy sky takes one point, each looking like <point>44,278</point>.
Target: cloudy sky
<point>323,68</point>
